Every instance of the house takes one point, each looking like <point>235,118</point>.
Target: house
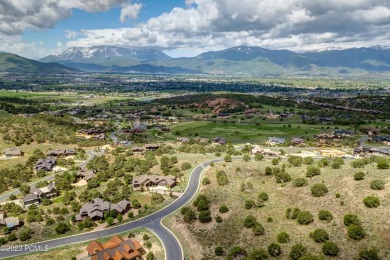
<point>343,133</point>
<point>61,152</point>
<point>275,141</point>
<point>95,133</point>
<point>219,140</point>
<point>45,164</point>
<point>298,142</point>
<point>145,181</point>
<point>201,140</point>
<point>86,174</point>
<point>115,249</point>
<point>12,152</point>
<point>45,192</point>
<point>325,136</point>
<point>365,152</point>
<point>380,139</point>
<point>182,140</point>
<point>268,152</point>
<point>10,222</point>
<point>124,143</point>
<point>152,147</point>
<point>332,153</point>
<point>137,149</point>
<point>30,199</point>
<point>96,208</point>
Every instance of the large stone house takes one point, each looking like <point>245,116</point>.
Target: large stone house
<point>146,181</point>
<point>45,164</point>
<point>96,208</point>
<point>61,152</point>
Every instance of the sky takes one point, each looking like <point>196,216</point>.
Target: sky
<point>37,28</point>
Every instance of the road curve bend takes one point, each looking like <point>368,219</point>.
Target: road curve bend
<point>153,222</point>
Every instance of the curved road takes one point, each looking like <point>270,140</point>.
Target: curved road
<point>173,250</point>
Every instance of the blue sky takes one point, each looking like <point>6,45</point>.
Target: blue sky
<point>36,28</point>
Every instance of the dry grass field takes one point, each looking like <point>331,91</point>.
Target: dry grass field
<point>199,240</point>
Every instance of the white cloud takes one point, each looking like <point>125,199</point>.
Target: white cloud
<point>18,16</point>
<point>70,34</point>
<point>275,24</point>
<point>130,11</point>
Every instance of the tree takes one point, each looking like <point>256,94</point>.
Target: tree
<point>237,253</point>
<point>275,161</point>
<point>110,221</point>
<point>205,216</point>
<point>218,251</point>
<point>223,209</point>
<point>351,219</point>
<point>377,185</point>
<point>206,181</point>
<point>259,157</point>
<point>261,199</point>
<point>282,177</point>
<point>222,178</point>
<point>369,254</point>
<point>189,216</point>
<point>258,254</point>
<point>249,204</point>
<point>202,203</point>
<point>268,171</point>
<point>150,256</point>
<point>312,171</point>
<point>382,165</point>
<point>320,235</point>
<point>356,232</point>
<point>62,228</point>
<point>308,160</point>
<point>330,249</point>
<point>283,237</point>
<point>305,217</point>
<point>227,158</point>
<point>258,230</point>
<point>297,251</point>
<point>299,182</point>
<point>371,202</point>
<point>274,249</point>
<point>185,166</point>
<point>359,176</point>
<point>25,189</point>
<point>25,233</point>
<point>319,189</point>
<point>250,221</point>
<point>325,215</point>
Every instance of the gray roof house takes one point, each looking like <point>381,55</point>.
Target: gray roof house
<point>60,152</point>
<point>96,208</point>
<point>30,199</point>
<point>153,180</point>
<point>86,174</point>
<point>10,222</point>
<point>276,140</point>
<point>45,192</point>
<point>12,152</point>
<point>45,164</point>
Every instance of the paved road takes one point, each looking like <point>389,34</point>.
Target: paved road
<point>173,250</point>
<point>48,178</point>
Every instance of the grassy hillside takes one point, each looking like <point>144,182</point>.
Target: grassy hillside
<point>14,63</point>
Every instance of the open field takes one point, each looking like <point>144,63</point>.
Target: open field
<point>199,240</point>
<point>67,252</point>
<point>241,133</point>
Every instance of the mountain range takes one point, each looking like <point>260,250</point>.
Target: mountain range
<point>236,60</point>
<point>13,63</point>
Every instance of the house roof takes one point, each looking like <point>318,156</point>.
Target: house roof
<point>154,179</point>
<point>14,151</point>
<point>86,174</point>
<point>116,249</point>
<point>58,152</point>
<point>277,140</point>
<point>98,206</point>
<point>30,197</point>
<point>45,164</point>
